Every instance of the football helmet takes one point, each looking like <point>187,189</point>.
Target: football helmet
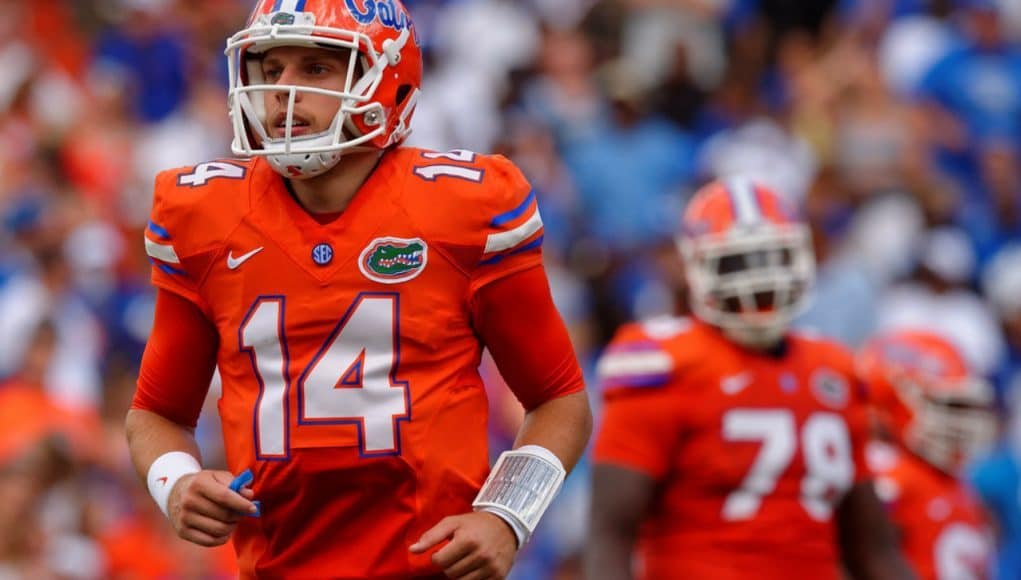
<point>924,397</point>
<point>381,90</point>
<point>748,261</point>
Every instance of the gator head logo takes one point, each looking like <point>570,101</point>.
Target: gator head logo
<point>393,260</point>
<point>830,388</point>
<point>282,18</point>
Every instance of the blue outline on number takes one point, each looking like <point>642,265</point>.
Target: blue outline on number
<point>359,422</point>
<point>282,337</point>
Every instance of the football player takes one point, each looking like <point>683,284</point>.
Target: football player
<point>933,415</point>
<point>731,447</point>
<point>345,287</point>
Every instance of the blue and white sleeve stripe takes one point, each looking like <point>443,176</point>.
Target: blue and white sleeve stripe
<point>635,365</point>
<point>161,253</point>
<point>517,231</point>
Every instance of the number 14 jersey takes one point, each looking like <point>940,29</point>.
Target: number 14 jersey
<point>347,350</point>
<point>751,453</point>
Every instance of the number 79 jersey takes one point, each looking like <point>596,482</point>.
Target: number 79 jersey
<point>751,453</point>
<point>347,351</point>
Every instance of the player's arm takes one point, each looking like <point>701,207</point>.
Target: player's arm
<point>518,322</point>
<point>867,539</point>
<point>173,380</point>
<point>620,499</point>
<point>516,319</point>
<point>637,439</point>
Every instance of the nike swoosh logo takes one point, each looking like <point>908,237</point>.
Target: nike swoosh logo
<point>162,480</point>
<point>734,384</point>
<point>233,263</point>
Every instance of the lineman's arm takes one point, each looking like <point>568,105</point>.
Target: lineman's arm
<point>867,539</point>
<point>173,379</point>
<point>620,499</point>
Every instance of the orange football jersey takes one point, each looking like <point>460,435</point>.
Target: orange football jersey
<point>942,530</point>
<point>347,353</point>
<point>751,453</point>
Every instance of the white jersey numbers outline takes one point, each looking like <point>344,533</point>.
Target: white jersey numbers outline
<point>262,336</point>
<point>350,380</point>
<point>829,463</point>
<point>826,448</point>
<point>364,346</point>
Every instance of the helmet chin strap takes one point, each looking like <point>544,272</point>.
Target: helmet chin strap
<point>306,165</point>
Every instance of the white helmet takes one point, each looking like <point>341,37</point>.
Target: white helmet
<point>384,74</point>
<point>748,261</point>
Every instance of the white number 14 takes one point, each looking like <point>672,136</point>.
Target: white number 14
<point>350,379</point>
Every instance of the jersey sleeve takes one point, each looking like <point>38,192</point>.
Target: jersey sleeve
<point>178,362</point>
<point>510,229</point>
<point>518,322</point>
<point>640,423</point>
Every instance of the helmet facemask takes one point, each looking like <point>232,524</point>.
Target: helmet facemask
<point>306,156</point>
<point>951,426</point>
<point>750,281</point>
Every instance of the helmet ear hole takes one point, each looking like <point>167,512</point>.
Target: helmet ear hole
<point>402,93</point>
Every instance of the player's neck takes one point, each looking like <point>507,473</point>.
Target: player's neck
<point>332,191</point>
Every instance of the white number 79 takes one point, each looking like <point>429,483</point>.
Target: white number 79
<point>826,447</point>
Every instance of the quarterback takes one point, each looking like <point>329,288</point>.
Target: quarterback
<point>345,287</point>
<point>731,447</point>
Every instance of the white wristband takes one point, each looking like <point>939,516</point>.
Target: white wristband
<point>520,488</point>
<point>164,473</point>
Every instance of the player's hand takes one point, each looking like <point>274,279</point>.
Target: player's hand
<point>482,546</point>
<point>204,510</point>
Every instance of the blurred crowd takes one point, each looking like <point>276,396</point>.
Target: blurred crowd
<point>895,125</point>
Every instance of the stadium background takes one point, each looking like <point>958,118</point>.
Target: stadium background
<point>893,124</point>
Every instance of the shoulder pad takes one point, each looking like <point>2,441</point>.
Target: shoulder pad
<point>664,327</point>
<point>834,352</point>
<point>193,209</point>
<point>482,201</point>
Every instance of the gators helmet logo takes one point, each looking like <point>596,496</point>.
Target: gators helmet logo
<point>393,260</point>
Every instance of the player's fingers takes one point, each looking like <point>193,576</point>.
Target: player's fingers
<point>457,554</point>
<point>207,525</point>
<point>464,566</point>
<point>218,492</point>
<point>481,574</point>
<point>435,535</point>
<point>202,538</point>
<point>198,504</point>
